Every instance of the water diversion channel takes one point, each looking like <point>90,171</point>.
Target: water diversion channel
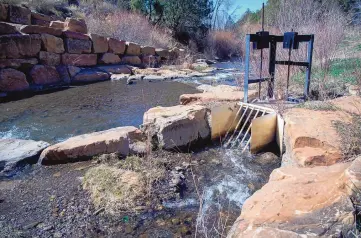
<point>217,185</point>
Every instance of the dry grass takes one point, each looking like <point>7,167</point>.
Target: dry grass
<point>350,134</point>
<point>223,44</point>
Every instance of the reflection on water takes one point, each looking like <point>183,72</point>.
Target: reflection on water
<point>59,115</point>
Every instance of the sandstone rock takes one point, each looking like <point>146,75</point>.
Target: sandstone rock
<point>52,44</point>
<point>19,46</point>
<point>147,50</point>
<point>77,25</point>
<point>306,201</point>
<point>17,63</point>
<point>40,19</point>
<point>350,104</point>
<point>267,159</point>
<point>100,43</point>
<point>177,126</point>
<point>40,22</point>
<point>3,12</point>
<point>76,46</point>
<point>33,29</point>
<point>43,75</point>
<point>63,73</point>
<point>75,35</point>
<point>116,46</point>
<point>7,29</point>
<point>79,59</point>
<point>150,60</point>
<point>116,69</point>
<point>48,58</point>
<point>12,80</point>
<point>57,24</point>
<point>163,53</point>
<point>353,179</point>
<point>116,140</point>
<point>90,75</point>
<point>19,15</point>
<point>14,152</point>
<point>132,49</point>
<point>109,58</point>
<point>73,70</point>
<point>133,60</point>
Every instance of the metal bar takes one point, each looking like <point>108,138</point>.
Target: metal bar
<point>308,72</point>
<point>251,81</point>
<point>234,120</point>
<point>238,124</point>
<point>288,71</point>
<point>293,63</point>
<point>249,127</point>
<point>248,142</point>
<point>261,68</point>
<point>272,67</point>
<point>246,74</point>
<point>244,125</point>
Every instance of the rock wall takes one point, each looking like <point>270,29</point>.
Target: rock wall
<point>38,52</point>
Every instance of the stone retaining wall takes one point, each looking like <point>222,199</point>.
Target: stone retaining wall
<point>38,52</point>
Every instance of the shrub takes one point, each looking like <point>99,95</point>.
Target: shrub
<point>223,44</point>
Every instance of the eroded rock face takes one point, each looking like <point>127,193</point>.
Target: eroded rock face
<point>100,43</point>
<point>77,25</point>
<point>6,29</point>
<point>90,75</point>
<point>133,60</point>
<point>40,19</point>
<point>79,59</point>
<point>77,46</point>
<point>177,126</point>
<point>57,24</point>
<point>34,29</point>
<point>19,46</point>
<point>109,58</point>
<point>17,63</point>
<point>163,53</point>
<point>12,80</point>
<point>19,15</point>
<point>147,50</point>
<point>116,46</point>
<point>298,201</point>
<point>133,49</point>
<point>52,44</point>
<point>48,58</point>
<point>43,75</point>
<point>116,140</point>
<point>14,152</point>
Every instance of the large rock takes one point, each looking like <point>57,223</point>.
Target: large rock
<point>19,46</point>
<point>79,59</point>
<point>178,126</point>
<point>12,80</point>
<point>75,35</point>
<point>116,69</point>
<point>19,15</point>
<point>147,50</point>
<point>33,29</point>
<point>48,58</point>
<point>353,176</point>
<point>90,75</point>
<point>117,140</point>
<point>63,73</point>
<point>14,152</point>
<point>52,43</point>
<point>109,58</point>
<point>132,60</point>
<point>217,94</point>
<point>133,49</point>
<point>163,53</point>
<point>116,46</point>
<point>3,12</point>
<point>150,60</point>
<point>17,63</point>
<point>77,46</point>
<point>44,75</point>
<point>57,24</point>
<point>7,29</point>
<point>100,43</point>
<point>298,202</point>
<point>77,25</point>
<point>40,19</point>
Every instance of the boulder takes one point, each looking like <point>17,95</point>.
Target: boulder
<point>116,140</point>
<point>90,75</point>
<point>79,59</point>
<point>7,29</point>
<point>19,15</point>
<point>57,24</point>
<point>44,75</point>
<point>73,70</point>
<point>116,69</point>
<point>163,53</point>
<point>40,19</point>
<point>34,29</point>
<point>132,60</point>
<point>52,43</point>
<point>48,58</point>
<point>100,43</point>
<point>77,25</point>
<point>150,60</point>
<point>17,63</point>
<point>12,80</point>
<point>19,46</point>
<point>3,12</point>
<point>132,49</point>
<point>308,202</point>
<point>76,46</point>
<point>178,126</point>
<point>353,179</point>
<point>109,58</point>
<point>147,50</point>
<point>63,73</point>
<point>75,35</point>
<point>14,152</point>
<point>116,46</point>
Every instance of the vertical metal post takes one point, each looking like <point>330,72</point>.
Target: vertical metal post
<point>261,66</point>
<point>246,68</point>
<point>308,72</point>
<point>272,67</point>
